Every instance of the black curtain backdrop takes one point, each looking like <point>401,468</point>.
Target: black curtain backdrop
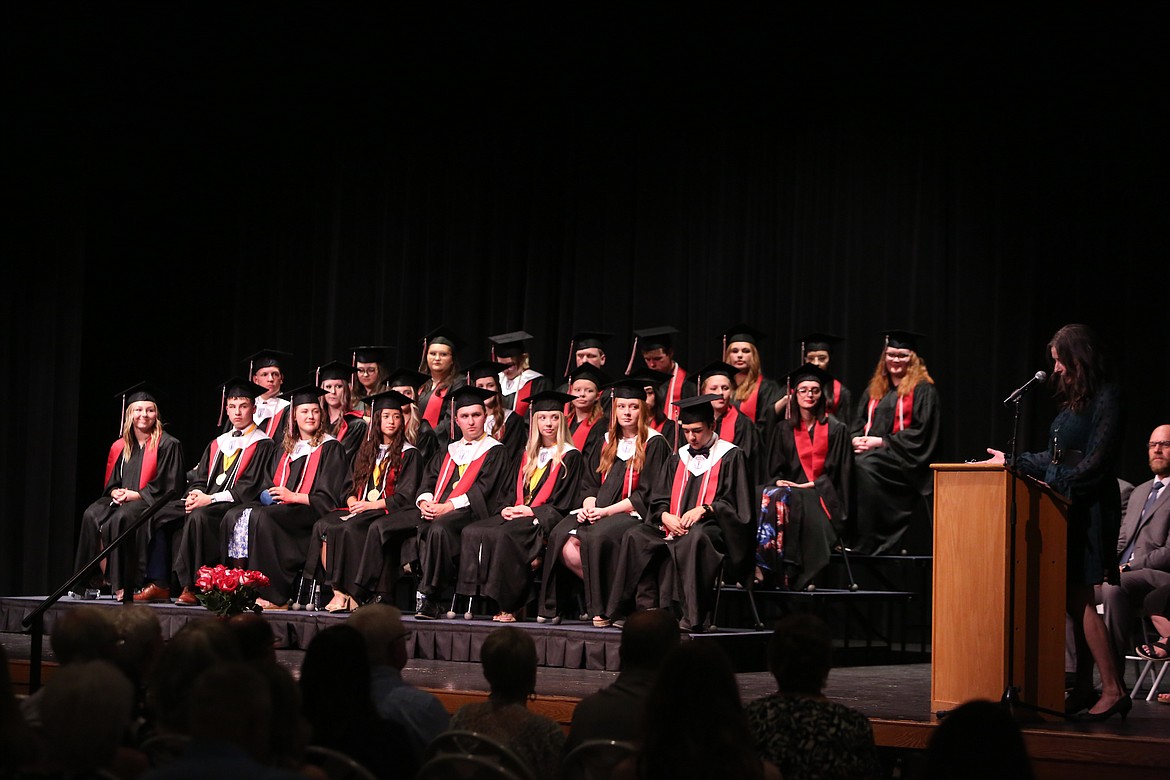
<point>190,185</point>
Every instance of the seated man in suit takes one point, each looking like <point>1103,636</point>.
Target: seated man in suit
<point>1142,546</point>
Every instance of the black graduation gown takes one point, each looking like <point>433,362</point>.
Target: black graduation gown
<point>895,486</point>
<point>600,541</point>
<point>747,437</point>
<point>810,533</point>
<point>278,534</point>
<point>594,440</point>
<point>514,438</point>
<point>770,392</point>
<point>437,541</point>
<point>344,532</point>
<point>443,428</point>
<point>103,521</point>
<point>683,569</point>
<point>351,432</point>
<point>538,384</point>
<point>200,541</point>
<point>497,554</point>
<point>426,441</point>
<point>842,406</point>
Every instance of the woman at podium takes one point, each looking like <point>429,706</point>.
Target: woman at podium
<point>1079,463</point>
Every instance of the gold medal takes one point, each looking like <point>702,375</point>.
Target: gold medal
<point>373,495</point>
<point>222,478</point>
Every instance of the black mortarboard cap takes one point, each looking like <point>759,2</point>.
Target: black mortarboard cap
<point>406,377</point>
<point>648,376</point>
<point>142,391</point>
<point>444,335</point>
<point>716,368</point>
<point>482,369</point>
<point>389,399</point>
<point>305,394</point>
<point>661,337</point>
<point>742,332</point>
<point>265,358</point>
<point>372,354</point>
<point>239,387</point>
<point>812,342</point>
<point>697,409</point>
<point>549,401</point>
<point>628,388</point>
<point>335,369</point>
<point>511,344</point>
<point>902,339</point>
<point>590,372</point>
<point>467,395</point>
<point>590,339</point>
<point>806,372</point>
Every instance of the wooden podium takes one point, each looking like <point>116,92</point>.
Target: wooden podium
<point>972,576</point>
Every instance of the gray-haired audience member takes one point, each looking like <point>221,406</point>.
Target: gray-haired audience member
<point>85,712</point>
<point>423,715</point>
<point>615,712</point>
<point>231,715</point>
<point>84,633</point>
<point>800,731</point>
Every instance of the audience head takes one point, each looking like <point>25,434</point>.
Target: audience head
<point>647,637</point>
<point>86,710</point>
<point>385,637</point>
<point>196,647</point>
<point>335,676</point>
<point>978,739</point>
<point>800,654</point>
<point>255,637</point>
<point>509,663</point>
<point>247,721</point>
<point>18,746</point>
<point>140,640</point>
<point>83,633</point>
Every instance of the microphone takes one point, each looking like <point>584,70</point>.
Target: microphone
<point>1019,392</point>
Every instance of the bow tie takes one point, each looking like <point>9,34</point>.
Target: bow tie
<point>701,452</point>
<point>237,433</point>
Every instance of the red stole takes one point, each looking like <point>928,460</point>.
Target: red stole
<point>747,407</point>
<point>582,433</point>
<point>520,405</point>
<point>149,462</point>
<point>465,481</point>
<point>706,490</point>
<point>832,406</point>
<point>435,407</point>
<point>812,453</point>
<point>343,425</point>
<point>308,473</point>
<point>546,488</point>
<point>674,392</point>
<point>245,456</point>
<point>386,489</point>
<point>270,427</point>
<point>726,429</point>
<point>902,408</point>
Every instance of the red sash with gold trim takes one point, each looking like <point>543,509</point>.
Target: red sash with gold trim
<point>706,490</point>
<point>546,489</point>
<point>812,453</point>
<point>149,462</point>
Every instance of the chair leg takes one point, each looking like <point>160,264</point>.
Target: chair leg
<point>848,569</point>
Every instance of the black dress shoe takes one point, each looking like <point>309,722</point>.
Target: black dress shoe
<point>428,610</point>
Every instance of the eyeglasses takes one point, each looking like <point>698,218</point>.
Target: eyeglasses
<point>367,371</point>
<point>1160,444</point>
<point>898,355</point>
<point>808,391</point>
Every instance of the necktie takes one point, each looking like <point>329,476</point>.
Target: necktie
<point>1147,508</point>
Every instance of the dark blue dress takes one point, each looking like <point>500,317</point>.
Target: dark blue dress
<point>1080,464</point>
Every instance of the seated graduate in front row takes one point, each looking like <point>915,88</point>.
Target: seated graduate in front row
<point>701,526</point>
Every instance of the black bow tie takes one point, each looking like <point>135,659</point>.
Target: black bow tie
<point>237,433</point>
<point>700,452</point>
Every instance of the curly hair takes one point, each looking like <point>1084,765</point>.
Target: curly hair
<point>879,383</point>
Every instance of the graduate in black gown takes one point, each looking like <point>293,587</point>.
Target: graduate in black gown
<point>895,434</point>
<point>342,422</point>
<point>586,347</point>
<point>266,370</point>
<point>501,553</point>
<point>657,417</point>
<point>385,479</point>
<point>701,519</point>
<point>615,497</point>
<point>756,396</point>
<point>587,420</point>
<point>501,423</point>
<point>518,382</point>
<point>719,379</point>
<point>657,348</point>
<point>418,430</point>
<point>309,478</point>
<point>371,373</point>
<point>817,348</point>
<point>232,471</point>
<point>141,466</point>
<point>440,362</point>
<point>811,459</point>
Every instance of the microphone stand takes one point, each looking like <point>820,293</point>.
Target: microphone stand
<point>1011,694</point>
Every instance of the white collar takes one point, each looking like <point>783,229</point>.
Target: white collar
<point>702,464</point>
<point>463,452</point>
<point>303,448</point>
<point>509,386</point>
<point>229,444</point>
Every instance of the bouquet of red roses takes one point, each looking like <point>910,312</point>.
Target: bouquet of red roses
<point>229,591</point>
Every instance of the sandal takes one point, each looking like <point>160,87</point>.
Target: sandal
<point>1163,698</point>
<point>340,603</point>
<point>1150,652</point>
<point>505,617</point>
<point>600,621</point>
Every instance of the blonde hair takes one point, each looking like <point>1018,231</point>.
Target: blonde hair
<point>129,440</point>
<point>744,389</point>
<point>609,451</point>
<point>879,383</point>
<point>291,439</point>
<point>410,429</point>
<point>534,444</point>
